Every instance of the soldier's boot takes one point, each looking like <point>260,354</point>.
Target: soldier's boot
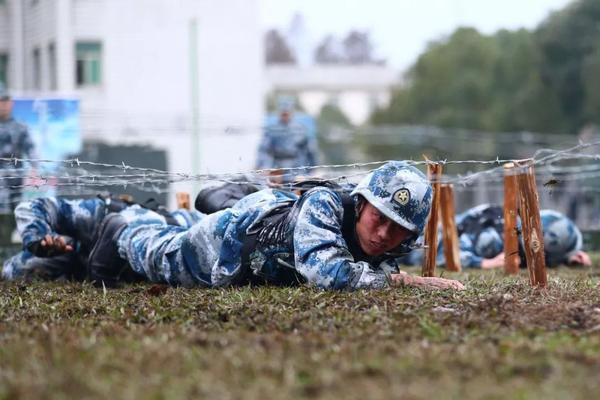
<point>105,266</point>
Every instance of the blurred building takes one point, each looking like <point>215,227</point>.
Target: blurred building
<point>355,89</point>
<point>130,64</point>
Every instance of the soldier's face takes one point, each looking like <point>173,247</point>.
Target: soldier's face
<point>5,109</point>
<point>377,233</point>
<point>285,117</point>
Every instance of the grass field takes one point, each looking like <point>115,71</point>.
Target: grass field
<point>497,339</point>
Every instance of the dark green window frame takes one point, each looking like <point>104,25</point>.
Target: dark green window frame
<point>88,63</point>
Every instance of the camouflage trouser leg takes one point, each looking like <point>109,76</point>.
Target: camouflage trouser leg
<point>26,266</point>
<point>176,255</point>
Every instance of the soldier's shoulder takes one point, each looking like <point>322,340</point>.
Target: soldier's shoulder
<point>323,195</point>
<point>13,124</point>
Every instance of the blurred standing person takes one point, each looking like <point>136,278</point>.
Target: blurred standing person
<point>15,142</point>
<point>286,143</point>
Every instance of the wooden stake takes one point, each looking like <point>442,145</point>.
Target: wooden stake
<point>449,232</point>
<point>511,236</point>
<point>532,227</point>
<point>275,177</point>
<point>434,172</point>
<point>127,198</point>
<point>183,200</point>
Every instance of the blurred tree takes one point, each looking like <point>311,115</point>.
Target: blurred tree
<point>330,116</point>
<point>333,128</point>
<point>473,81</point>
<point>570,42</point>
<point>277,50</point>
<point>356,48</point>
<point>327,51</point>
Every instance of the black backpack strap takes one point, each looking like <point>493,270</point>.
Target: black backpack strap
<point>266,230</point>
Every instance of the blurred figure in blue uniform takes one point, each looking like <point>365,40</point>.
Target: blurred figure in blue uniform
<point>287,143</point>
<point>481,244</point>
<point>15,142</point>
<point>58,234</point>
<point>324,238</point>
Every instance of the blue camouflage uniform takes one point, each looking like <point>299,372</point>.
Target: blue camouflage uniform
<point>77,220</point>
<point>16,142</point>
<point>562,238</point>
<point>307,243</point>
<point>481,237</point>
<point>288,145</point>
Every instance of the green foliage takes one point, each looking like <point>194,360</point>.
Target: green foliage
<point>544,81</point>
<point>332,122</point>
<point>330,116</point>
<point>570,45</point>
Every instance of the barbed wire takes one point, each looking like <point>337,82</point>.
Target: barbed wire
<point>75,172</point>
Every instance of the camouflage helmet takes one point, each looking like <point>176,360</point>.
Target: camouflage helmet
<point>561,236</point>
<point>400,191</point>
<point>488,243</point>
<point>285,104</point>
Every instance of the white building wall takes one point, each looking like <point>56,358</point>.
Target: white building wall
<point>356,89</point>
<point>356,105</point>
<point>4,29</point>
<point>146,92</point>
<point>39,31</point>
<point>145,95</point>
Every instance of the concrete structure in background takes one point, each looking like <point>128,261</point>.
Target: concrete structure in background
<point>129,64</point>
<point>356,89</point>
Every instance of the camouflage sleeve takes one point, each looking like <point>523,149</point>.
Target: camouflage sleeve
<point>321,253</point>
<point>578,243</point>
<point>312,151</point>
<point>187,218</point>
<point>264,157</point>
<point>468,257</point>
<point>572,250</point>
<point>52,215</point>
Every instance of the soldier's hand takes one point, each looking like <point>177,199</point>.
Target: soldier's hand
<point>403,279</point>
<point>51,245</point>
<point>580,258</point>
<point>491,263</point>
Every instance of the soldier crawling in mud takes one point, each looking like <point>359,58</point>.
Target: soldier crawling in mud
<point>323,238</point>
<point>481,242</point>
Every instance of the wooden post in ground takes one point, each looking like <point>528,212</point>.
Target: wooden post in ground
<point>511,235</point>
<point>183,200</point>
<point>275,177</point>
<point>434,172</point>
<point>532,227</point>
<point>449,232</point>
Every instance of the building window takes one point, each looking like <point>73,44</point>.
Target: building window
<point>37,66</point>
<point>88,63</point>
<point>52,65</point>
<point>4,68</point>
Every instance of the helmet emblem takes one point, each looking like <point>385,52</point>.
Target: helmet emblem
<point>402,196</point>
